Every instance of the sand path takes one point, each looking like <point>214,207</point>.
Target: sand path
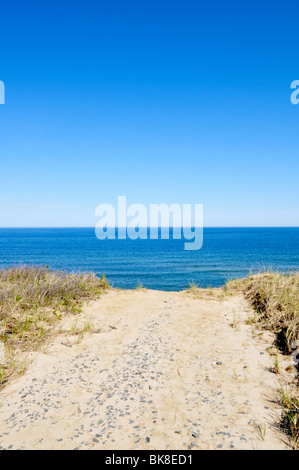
<point>161,370</point>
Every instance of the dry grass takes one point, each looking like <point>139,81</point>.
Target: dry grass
<point>275,298</point>
<point>32,302</point>
<point>209,293</point>
<point>290,420</point>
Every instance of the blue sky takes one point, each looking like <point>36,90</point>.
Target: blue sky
<point>161,101</point>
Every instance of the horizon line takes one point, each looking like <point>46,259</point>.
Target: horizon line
<point>148,227</point>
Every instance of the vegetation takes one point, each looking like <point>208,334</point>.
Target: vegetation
<point>290,419</point>
<point>32,302</point>
<point>275,298</point>
<point>139,285</point>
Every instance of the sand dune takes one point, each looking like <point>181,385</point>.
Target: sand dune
<point>159,370</point>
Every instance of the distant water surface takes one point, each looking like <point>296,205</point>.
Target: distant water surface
<point>158,264</point>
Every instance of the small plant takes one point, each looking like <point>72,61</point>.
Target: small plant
<point>192,286</point>
<point>74,327</point>
<point>78,329</point>
<point>274,357</point>
<point>2,374</point>
<point>262,431</point>
<point>290,420</point>
<point>22,367</point>
<point>235,322</point>
<point>88,324</point>
<point>139,286</point>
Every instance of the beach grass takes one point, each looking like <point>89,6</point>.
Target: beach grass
<point>275,299</point>
<point>290,419</point>
<point>32,302</point>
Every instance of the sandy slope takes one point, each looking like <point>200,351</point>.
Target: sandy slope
<point>160,371</point>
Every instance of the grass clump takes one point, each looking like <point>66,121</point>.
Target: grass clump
<point>290,422</point>
<point>139,285</point>
<point>275,297</point>
<point>207,293</point>
<point>32,301</point>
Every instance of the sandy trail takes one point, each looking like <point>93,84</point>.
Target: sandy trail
<point>161,370</point>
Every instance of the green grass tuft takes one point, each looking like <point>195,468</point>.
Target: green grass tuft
<point>32,301</point>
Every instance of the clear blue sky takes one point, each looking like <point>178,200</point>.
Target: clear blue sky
<point>161,101</point>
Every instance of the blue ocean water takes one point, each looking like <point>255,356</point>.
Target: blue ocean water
<point>227,253</point>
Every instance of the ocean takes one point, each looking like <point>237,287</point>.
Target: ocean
<point>227,253</point>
